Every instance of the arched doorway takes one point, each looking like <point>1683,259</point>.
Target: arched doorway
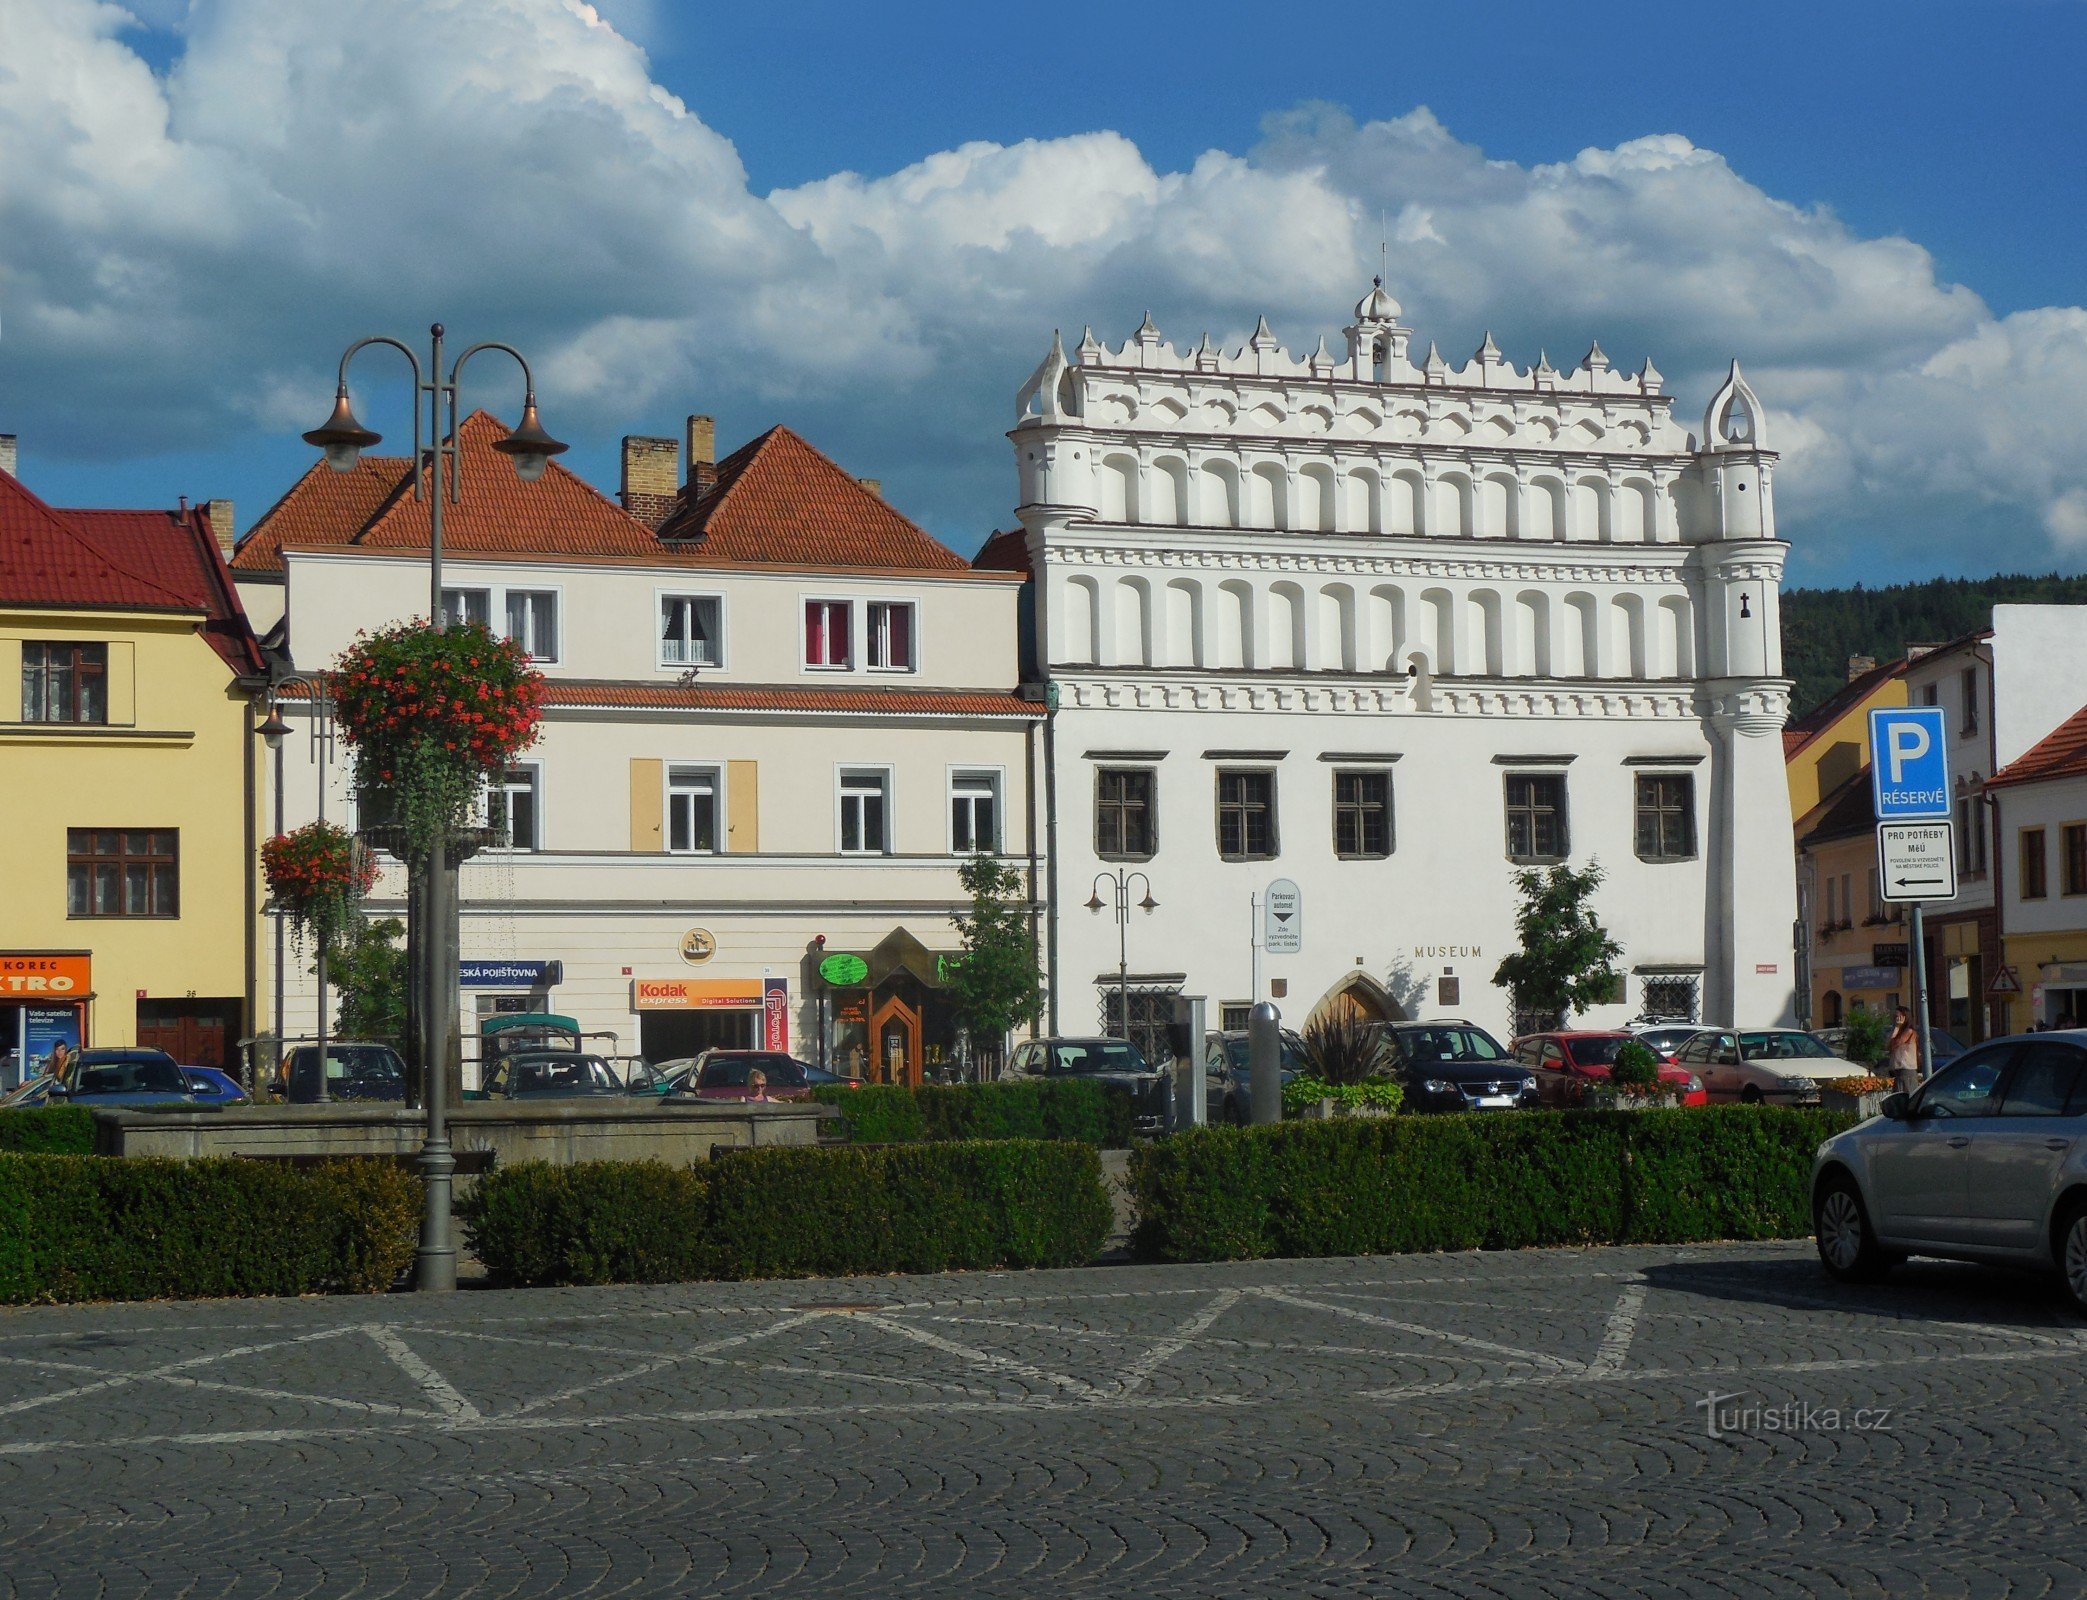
<point>895,1030</point>
<point>1359,996</point>
<point>1830,1009</point>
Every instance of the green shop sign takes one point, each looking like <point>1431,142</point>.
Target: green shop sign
<point>844,971</point>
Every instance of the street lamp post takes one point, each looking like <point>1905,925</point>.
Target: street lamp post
<point>1119,883</point>
<point>432,874</point>
<point>274,730</point>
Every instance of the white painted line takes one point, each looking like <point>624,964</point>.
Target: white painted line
<point>1621,1329</point>
<point>121,1379</point>
<point>1471,1341</point>
<point>1159,1355</point>
<point>447,1398</point>
<point>950,1347</point>
<point>660,1364</point>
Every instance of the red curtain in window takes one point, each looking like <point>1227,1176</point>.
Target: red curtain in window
<point>901,635</point>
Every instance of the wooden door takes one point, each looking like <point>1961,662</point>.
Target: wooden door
<point>895,1041</point>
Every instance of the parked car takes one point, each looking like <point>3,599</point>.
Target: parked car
<point>1566,1062</point>
<point>356,1069</point>
<point>122,1077</point>
<point>1986,1162</point>
<point>1454,1065</point>
<point>1664,1039</point>
<point>727,1075</point>
<point>213,1087</point>
<point>550,1075</point>
<point>1110,1061</point>
<point>1781,1066</point>
<point>1229,1084</point>
<point>1945,1045</point>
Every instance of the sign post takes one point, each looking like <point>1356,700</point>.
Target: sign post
<point>1909,783</point>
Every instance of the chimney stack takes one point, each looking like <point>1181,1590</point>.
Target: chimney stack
<point>1858,665</point>
<point>7,455</point>
<point>222,525</point>
<point>702,454</point>
<point>874,485</point>
<point>651,477</point>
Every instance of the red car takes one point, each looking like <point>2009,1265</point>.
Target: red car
<point>1565,1063</point>
<point>728,1075</point>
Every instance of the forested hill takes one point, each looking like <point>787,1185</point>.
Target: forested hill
<point>1822,628</point>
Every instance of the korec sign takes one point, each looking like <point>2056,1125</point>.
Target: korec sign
<point>27,973</point>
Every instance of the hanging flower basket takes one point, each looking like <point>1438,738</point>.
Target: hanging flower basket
<point>318,875</point>
<point>430,717</point>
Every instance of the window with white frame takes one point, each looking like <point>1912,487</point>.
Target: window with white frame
<point>532,621</point>
<point>692,810</point>
<point>974,813</point>
<point>865,811</point>
<point>468,605</point>
<point>512,810</point>
<point>828,640</point>
<point>890,629</point>
<point>691,630</point>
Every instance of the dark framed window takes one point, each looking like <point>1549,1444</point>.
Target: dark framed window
<point>1666,817</point>
<point>2035,874</point>
<point>2073,837</point>
<point>1536,829</point>
<point>122,872</point>
<point>1670,997</point>
<point>1246,815</point>
<point>1361,815</point>
<point>64,682</point>
<point>1126,813</point>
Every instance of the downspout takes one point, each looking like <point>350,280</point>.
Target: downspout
<point>1050,738</point>
<point>1991,801</point>
<point>1029,832</point>
<point>251,899</point>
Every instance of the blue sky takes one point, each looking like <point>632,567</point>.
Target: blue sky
<point>1876,207</point>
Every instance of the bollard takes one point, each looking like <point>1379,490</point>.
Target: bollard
<point>1264,1054</point>
<point>1188,1101</point>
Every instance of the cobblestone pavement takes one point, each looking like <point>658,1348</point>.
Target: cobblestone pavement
<point>1518,1425</point>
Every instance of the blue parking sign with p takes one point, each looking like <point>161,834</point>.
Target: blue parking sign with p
<point>1909,764</point>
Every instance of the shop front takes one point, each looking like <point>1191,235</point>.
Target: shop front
<point>509,987</point>
<point>683,1017</point>
<point>888,1015</point>
<point>43,1002</point>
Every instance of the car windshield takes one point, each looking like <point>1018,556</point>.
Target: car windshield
<point>1449,1044</point>
<point>138,1075</point>
<point>1090,1056</point>
<point>574,1074</point>
<point>731,1072</point>
<point>1236,1058</point>
<point>1782,1045</point>
<point>1599,1052</point>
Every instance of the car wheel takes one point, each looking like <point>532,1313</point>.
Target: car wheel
<point>1751,1095</point>
<point>2072,1252</point>
<point>1848,1250</point>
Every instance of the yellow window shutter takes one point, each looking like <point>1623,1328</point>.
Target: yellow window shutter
<point>10,675</point>
<point>123,684</point>
<point>743,806</point>
<point>645,801</point>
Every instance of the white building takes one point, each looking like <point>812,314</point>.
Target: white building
<point>779,716</point>
<point>1392,629</point>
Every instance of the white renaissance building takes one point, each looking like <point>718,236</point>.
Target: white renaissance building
<point>1394,630</point>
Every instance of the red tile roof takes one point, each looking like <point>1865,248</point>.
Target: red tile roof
<point>1004,551</point>
<point>589,693</point>
<point>2061,753</point>
<point>123,561</point>
<point>779,502</point>
<point>322,507</point>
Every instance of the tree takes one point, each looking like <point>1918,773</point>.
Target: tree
<point>1566,962</point>
<point>368,969</point>
<point>995,983</point>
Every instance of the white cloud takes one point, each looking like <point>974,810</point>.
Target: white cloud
<point>182,254</point>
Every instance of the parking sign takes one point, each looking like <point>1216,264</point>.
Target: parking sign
<point>1909,766</point>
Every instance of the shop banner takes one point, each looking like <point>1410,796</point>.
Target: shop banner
<point>695,994</point>
<point>775,1014</point>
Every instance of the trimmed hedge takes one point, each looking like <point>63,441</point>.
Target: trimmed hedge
<point>47,1131</point>
<point>1387,1185</point>
<point>793,1212</point>
<point>1035,1108</point>
<point>85,1228</point>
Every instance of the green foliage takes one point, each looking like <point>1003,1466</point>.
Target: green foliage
<point>1087,1113</point>
<point>1381,1185</point>
<point>47,1131</point>
<point>1340,1047</point>
<point>1372,1094</point>
<point>997,983</point>
<point>1867,1033</point>
<point>89,1228</point>
<point>793,1212</point>
<point>1822,628</point>
<point>1635,1067</point>
<point>1566,960</point>
<point>368,972</point>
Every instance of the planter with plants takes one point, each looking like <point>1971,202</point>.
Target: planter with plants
<point>1633,1083</point>
<point>1863,1096</point>
<point>1347,1071</point>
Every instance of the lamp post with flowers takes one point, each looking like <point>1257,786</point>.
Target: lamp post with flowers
<point>430,711</point>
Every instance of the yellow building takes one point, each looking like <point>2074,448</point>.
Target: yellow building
<point>126,781</point>
<point>1829,744</point>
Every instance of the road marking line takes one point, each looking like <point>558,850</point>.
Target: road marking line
<point>1472,1340</point>
<point>447,1398</point>
<point>1180,1339</point>
<point>1622,1328</point>
<point>120,1380</point>
<point>950,1347</point>
<point>660,1364</point>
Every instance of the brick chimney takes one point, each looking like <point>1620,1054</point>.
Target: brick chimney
<point>7,455</point>
<point>1858,665</point>
<point>222,525</point>
<point>702,454</point>
<point>651,477</point>
<point>874,485</point>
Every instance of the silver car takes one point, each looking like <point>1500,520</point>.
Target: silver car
<point>1987,1162</point>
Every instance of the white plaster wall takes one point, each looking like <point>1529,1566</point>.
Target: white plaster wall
<point>2040,667</point>
<point>2048,805</point>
